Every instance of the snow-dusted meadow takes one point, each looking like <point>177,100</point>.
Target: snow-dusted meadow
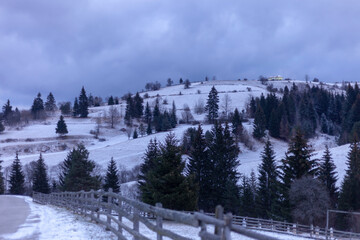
<point>38,137</point>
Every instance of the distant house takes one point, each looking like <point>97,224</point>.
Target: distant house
<point>276,78</point>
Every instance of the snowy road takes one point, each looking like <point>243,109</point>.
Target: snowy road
<point>13,213</point>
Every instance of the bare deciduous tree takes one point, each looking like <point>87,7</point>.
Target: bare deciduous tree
<point>310,200</point>
<point>186,115</point>
<point>199,107</point>
<point>226,105</point>
<point>112,116</point>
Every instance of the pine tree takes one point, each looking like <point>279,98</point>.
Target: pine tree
<point>7,110</point>
<point>2,180</point>
<point>138,106</point>
<point>150,160</point>
<point>199,166</point>
<point>135,134</point>
<point>2,128</point>
<point>50,104</point>
<point>76,108</point>
<point>324,124</point>
<point>187,84</point>
<point>157,119</point>
<point>83,104</point>
<point>112,178</point>
<point>212,105</point>
<point>111,101</point>
<point>350,194</point>
<point>297,163</point>
<point>223,152</point>
<point>61,127</point>
<point>129,111</point>
<point>17,178</point>
<point>327,175</point>
<point>247,199</point>
<point>173,117</point>
<point>259,123</point>
<point>268,195</point>
<point>38,107</point>
<point>76,171</point>
<point>166,182</point>
<point>40,178</point>
<point>237,127</point>
<point>148,114</point>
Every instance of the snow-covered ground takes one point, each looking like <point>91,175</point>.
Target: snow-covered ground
<point>38,137</point>
<point>49,222</point>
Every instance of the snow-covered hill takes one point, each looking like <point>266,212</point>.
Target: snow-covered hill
<point>29,140</point>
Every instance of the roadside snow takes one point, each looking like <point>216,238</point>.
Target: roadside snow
<point>49,222</point>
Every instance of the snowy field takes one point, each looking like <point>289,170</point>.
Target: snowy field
<point>49,222</point>
<point>38,137</point>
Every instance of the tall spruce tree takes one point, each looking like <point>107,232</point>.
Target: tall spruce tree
<point>61,127</point>
<point>7,110</point>
<point>173,118</point>
<point>223,152</point>
<point>129,110</point>
<point>111,101</point>
<point>2,180</point>
<point>83,104</point>
<point>268,195</point>
<point>77,171</point>
<point>259,123</point>
<point>2,127</point>
<point>150,158</point>
<point>166,181</point>
<point>350,194</point>
<point>112,178</point>
<point>237,127</point>
<point>40,177</point>
<point>297,163</point>
<point>50,104</point>
<point>37,107</point>
<point>138,106</point>
<point>17,178</point>
<point>328,175</point>
<point>212,105</point>
<point>247,198</point>
<point>157,118</point>
<point>199,166</point>
<point>76,109</point>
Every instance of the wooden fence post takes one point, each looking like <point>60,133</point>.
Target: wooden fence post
<point>159,222</point>
<point>227,229</point>
<point>203,226</point>
<point>82,202</point>
<point>91,203</point>
<point>219,214</point>
<point>294,228</point>
<point>136,221</point>
<point>120,216</point>
<point>311,230</point>
<point>109,200</point>
<point>331,233</point>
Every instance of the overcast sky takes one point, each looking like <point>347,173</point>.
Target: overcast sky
<point>115,46</point>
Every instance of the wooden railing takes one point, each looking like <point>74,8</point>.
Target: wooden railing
<point>109,209</point>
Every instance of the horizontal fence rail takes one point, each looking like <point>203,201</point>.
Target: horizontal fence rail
<point>109,209</point>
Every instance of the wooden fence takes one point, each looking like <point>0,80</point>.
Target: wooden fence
<point>110,209</point>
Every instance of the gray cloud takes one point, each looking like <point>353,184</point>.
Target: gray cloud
<point>112,47</point>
